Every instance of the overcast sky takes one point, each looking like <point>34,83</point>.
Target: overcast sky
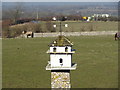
<point>59,0</point>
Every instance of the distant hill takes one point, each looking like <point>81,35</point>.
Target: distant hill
<point>65,8</point>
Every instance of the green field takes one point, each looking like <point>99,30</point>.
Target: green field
<point>24,62</point>
<point>73,26</point>
<point>78,26</point>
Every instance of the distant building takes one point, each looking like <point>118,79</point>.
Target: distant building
<point>89,19</point>
<point>101,15</point>
<point>54,18</point>
<point>85,18</point>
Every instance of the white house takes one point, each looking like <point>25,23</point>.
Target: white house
<point>101,15</point>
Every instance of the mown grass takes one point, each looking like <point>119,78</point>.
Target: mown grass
<point>24,62</point>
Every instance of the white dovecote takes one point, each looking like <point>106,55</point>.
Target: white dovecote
<point>61,55</point>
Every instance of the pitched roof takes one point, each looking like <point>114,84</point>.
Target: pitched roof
<point>61,41</point>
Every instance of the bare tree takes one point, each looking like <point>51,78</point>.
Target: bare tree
<point>38,28</point>
<point>49,27</point>
<point>17,12</point>
<point>91,27</point>
<point>83,28</point>
<point>14,13</point>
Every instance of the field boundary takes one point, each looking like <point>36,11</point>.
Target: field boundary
<point>93,33</point>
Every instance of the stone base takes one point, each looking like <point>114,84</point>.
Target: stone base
<point>60,79</point>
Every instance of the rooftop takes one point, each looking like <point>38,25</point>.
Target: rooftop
<point>61,41</point>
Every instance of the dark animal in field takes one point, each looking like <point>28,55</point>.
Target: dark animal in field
<point>117,36</point>
<point>28,33</point>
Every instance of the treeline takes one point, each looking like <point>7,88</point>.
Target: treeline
<point>49,18</point>
<point>12,29</point>
<point>16,30</point>
<point>61,18</point>
<point>111,18</point>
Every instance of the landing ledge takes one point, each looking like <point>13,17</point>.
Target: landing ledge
<point>73,67</point>
<point>60,52</point>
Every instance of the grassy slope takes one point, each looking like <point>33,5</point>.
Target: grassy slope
<point>77,26</point>
<point>24,62</point>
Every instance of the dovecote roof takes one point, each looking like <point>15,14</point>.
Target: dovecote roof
<point>61,41</point>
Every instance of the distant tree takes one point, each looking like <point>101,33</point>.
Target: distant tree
<point>74,17</point>
<point>16,31</point>
<point>50,27</point>
<point>113,18</point>
<point>83,28</point>
<point>5,28</point>
<point>30,27</point>
<point>14,13</point>
<point>5,32</point>
<point>63,18</point>
<point>91,27</point>
<point>38,28</point>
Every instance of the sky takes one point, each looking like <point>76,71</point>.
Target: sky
<point>59,0</point>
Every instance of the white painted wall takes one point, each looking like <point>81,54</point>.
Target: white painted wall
<point>55,62</point>
<point>60,49</point>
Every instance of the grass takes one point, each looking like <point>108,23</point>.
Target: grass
<point>24,62</point>
<point>78,26</point>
